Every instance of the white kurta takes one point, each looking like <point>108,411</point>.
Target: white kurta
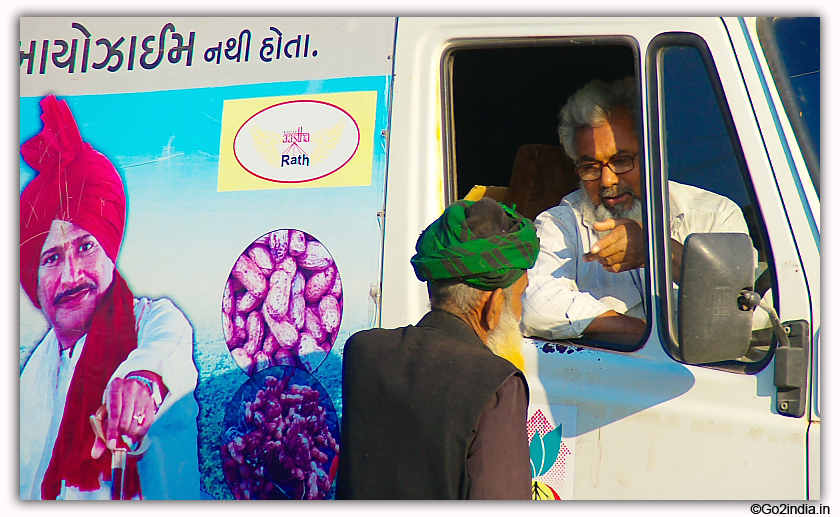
<point>169,468</point>
<point>565,293</point>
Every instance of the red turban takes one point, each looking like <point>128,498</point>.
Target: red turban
<point>75,184</point>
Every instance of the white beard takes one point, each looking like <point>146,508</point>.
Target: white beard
<point>505,340</point>
<point>601,212</point>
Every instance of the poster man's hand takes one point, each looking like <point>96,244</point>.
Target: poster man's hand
<point>129,413</point>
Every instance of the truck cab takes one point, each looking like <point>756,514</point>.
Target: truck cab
<point>475,103</point>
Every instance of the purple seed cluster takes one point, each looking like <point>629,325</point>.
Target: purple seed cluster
<point>289,451</point>
<point>282,303</point>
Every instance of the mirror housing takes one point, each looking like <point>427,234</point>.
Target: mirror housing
<point>714,325</point>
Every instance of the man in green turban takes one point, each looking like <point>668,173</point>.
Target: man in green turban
<point>429,410</point>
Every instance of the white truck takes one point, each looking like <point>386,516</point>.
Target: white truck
<point>715,98</point>
<point>714,403</point>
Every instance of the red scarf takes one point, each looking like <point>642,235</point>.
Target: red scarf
<point>111,338</point>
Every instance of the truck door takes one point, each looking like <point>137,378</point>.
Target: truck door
<point>636,421</point>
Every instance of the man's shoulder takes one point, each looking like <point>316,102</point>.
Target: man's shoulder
<point>161,304</point>
<point>378,332</point>
<point>40,350</point>
<point>380,339</point>
<point>372,337</point>
<point>160,310</point>
<point>572,200</point>
<point>420,340</point>
<point>689,197</point>
<point>569,206</point>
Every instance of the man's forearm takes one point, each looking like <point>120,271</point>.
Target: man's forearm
<point>612,322</point>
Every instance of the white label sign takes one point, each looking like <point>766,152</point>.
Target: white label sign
<point>297,141</point>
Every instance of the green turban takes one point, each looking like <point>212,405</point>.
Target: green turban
<point>482,243</point>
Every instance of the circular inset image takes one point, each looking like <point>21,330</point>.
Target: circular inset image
<point>280,438</point>
<point>282,303</point>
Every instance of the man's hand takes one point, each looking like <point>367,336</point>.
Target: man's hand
<point>622,249</point>
<point>130,413</point>
<point>676,260</point>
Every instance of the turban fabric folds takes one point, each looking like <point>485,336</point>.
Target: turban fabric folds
<point>77,184</point>
<point>459,246</point>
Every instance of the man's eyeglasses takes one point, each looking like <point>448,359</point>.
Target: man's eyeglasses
<point>591,170</point>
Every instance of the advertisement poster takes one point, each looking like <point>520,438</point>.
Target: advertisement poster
<point>216,219</point>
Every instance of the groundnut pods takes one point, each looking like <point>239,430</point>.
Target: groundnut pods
<point>280,438</point>
<point>282,302</point>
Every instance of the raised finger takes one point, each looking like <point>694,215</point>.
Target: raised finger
<point>617,237</point>
<point>611,224</point>
<point>605,225</point>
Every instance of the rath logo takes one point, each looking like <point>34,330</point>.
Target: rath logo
<point>297,141</point>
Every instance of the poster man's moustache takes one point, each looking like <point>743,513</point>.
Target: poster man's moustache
<point>73,290</point>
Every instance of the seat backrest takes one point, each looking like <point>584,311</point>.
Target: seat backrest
<point>542,175</point>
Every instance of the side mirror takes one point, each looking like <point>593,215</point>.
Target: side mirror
<point>714,322</point>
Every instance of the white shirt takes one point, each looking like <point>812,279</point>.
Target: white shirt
<point>565,293</point>
<point>165,342</point>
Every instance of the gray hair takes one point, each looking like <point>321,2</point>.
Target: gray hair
<point>457,297</point>
<point>591,106</point>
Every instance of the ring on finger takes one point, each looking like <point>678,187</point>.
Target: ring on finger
<point>139,418</point>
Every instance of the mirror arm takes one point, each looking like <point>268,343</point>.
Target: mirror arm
<point>791,374</point>
<point>778,329</point>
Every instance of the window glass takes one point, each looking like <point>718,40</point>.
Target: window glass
<point>698,147</point>
<point>798,40</point>
<point>504,97</point>
<point>701,151</point>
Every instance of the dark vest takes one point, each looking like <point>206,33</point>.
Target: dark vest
<point>412,397</point>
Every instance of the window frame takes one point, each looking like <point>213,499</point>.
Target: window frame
<point>448,144</point>
<point>660,235</point>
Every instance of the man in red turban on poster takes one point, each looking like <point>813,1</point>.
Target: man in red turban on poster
<point>128,360</point>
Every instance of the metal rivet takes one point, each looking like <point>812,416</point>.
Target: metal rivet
<point>787,330</point>
<point>783,406</point>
